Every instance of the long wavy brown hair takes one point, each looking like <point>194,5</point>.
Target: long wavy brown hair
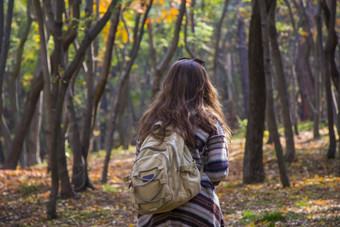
<point>186,101</point>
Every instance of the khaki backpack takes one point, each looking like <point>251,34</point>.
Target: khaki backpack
<point>164,175</point>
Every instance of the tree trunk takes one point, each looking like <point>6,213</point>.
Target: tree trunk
<point>281,84</point>
<point>78,177</point>
<point>161,67</point>
<point>253,171</point>
<point>242,51</point>
<point>69,71</point>
<point>328,13</point>
<point>33,146</point>
<point>16,69</point>
<point>5,44</point>
<point>87,120</point>
<point>269,90</point>
<point>217,40</point>
<point>21,131</point>
<point>122,89</point>
<point>294,115</point>
<point>100,87</point>
<point>187,47</point>
<point>319,70</point>
<point>329,57</point>
<point>305,85</point>
<point>66,189</point>
<point>47,98</point>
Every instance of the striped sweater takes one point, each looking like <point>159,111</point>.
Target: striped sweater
<point>204,209</point>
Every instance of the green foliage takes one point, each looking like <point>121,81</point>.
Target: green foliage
<point>308,126</point>
<point>282,27</point>
<point>240,132</point>
<point>248,217</point>
<point>302,203</point>
<point>225,185</point>
<point>109,188</point>
<point>271,217</point>
<point>27,189</point>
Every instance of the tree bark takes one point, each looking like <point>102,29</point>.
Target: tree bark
<point>87,119</point>
<point>70,35</point>
<point>21,131</point>
<point>269,89</point>
<point>100,87</point>
<point>244,70</point>
<point>122,89</point>
<point>253,171</point>
<point>66,188</point>
<point>319,70</point>
<point>329,57</point>
<point>282,87</point>
<point>89,37</point>
<point>218,38</point>
<point>47,97</point>
<point>302,66</point>
<point>33,146</point>
<point>5,44</point>
<point>328,18</point>
<point>16,69</point>
<point>161,67</point>
<point>78,177</point>
<point>187,47</point>
<point>294,115</point>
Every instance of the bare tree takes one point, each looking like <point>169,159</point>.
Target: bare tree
<point>282,85</point>
<point>218,38</point>
<point>244,70</point>
<point>271,121</point>
<point>5,32</point>
<point>331,42</point>
<point>160,68</point>
<point>253,171</point>
<point>122,88</point>
<point>62,88</point>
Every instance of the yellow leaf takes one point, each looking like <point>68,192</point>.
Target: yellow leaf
<point>125,36</point>
<point>45,195</point>
<point>174,12</point>
<point>303,33</point>
<point>168,19</point>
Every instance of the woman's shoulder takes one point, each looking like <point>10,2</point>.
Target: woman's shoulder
<point>219,129</point>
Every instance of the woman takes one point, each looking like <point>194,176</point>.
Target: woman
<point>188,102</point>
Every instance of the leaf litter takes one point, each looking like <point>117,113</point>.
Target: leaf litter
<point>312,200</point>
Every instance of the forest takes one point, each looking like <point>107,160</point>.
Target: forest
<point>76,76</point>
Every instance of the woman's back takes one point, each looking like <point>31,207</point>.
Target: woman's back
<point>188,103</point>
<point>203,209</point>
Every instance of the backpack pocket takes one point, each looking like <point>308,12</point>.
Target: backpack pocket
<point>150,190</point>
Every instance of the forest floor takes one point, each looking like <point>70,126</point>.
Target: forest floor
<point>312,200</point>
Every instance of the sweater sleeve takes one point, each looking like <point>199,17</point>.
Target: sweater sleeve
<point>217,164</point>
